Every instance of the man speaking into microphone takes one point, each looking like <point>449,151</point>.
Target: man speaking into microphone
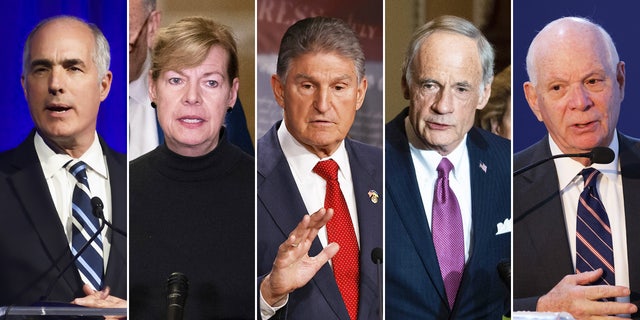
<point>46,182</point>
<point>576,222</point>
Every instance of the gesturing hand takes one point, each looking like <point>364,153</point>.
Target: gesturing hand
<point>293,267</point>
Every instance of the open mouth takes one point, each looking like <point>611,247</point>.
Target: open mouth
<point>584,125</point>
<point>191,120</point>
<point>58,108</point>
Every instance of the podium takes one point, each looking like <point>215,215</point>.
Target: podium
<point>57,312</point>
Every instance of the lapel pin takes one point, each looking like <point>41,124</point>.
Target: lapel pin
<point>373,195</point>
<point>483,167</point>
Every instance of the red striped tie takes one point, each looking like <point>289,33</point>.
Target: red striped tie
<point>593,233</point>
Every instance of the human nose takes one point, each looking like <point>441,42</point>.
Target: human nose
<point>443,103</point>
<point>578,98</point>
<point>321,100</point>
<point>192,95</point>
<point>56,81</point>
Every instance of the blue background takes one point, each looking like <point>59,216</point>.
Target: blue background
<point>617,17</point>
<point>19,17</point>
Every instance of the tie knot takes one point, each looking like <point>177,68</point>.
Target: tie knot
<point>590,176</point>
<point>327,169</point>
<point>78,169</point>
<point>444,167</point>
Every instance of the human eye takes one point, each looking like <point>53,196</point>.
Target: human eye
<point>212,83</point>
<point>74,69</point>
<point>39,70</point>
<point>175,81</point>
<point>460,89</point>
<point>429,85</point>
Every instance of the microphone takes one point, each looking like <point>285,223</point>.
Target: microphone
<point>376,257</point>
<point>97,208</point>
<point>177,288</point>
<point>97,205</point>
<point>504,271</point>
<point>602,155</point>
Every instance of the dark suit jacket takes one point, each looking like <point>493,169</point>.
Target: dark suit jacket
<point>414,286</point>
<point>280,209</point>
<point>33,245</point>
<point>541,253</point>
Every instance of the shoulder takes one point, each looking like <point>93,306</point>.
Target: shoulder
<point>531,153</point>
<point>482,141</point>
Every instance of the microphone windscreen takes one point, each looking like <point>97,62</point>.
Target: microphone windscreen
<point>97,206</point>
<point>504,270</point>
<point>602,155</point>
<point>376,255</point>
<point>97,203</point>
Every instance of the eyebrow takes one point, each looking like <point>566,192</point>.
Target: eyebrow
<point>65,63</point>
<point>304,76</point>
<point>464,84</point>
<point>204,75</point>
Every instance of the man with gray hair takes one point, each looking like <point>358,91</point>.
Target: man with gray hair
<point>576,240</point>
<point>307,164</point>
<point>50,182</point>
<point>447,217</point>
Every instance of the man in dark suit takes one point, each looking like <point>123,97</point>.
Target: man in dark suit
<point>447,75</point>
<point>65,77</point>
<point>320,84</point>
<point>576,85</point>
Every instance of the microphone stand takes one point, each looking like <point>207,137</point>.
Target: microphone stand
<point>535,164</point>
<point>75,257</point>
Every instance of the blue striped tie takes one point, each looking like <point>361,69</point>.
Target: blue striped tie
<point>593,233</point>
<point>85,225</point>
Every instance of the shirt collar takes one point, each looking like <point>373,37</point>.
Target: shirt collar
<point>51,161</point>
<point>568,169</point>
<point>297,155</point>
<point>432,158</point>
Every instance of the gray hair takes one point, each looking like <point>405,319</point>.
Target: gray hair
<point>101,54</point>
<point>612,52</point>
<point>320,34</point>
<point>149,5</point>
<point>456,25</point>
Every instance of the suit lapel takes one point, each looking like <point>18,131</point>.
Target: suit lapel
<point>541,217</point>
<point>33,193</point>
<point>629,154</point>
<point>405,195</point>
<point>117,265</point>
<point>363,173</point>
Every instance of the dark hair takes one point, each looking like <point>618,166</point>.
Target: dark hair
<point>319,34</point>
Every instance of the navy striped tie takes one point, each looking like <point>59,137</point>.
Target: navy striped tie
<point>85,225</point>
<point>593,233</point>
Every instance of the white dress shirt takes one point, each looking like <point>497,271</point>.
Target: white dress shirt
<point>609,187</point>
<point>426,163</point>
<point>61,183</point>
<point>143,127</point>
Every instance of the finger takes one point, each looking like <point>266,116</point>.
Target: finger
<point>318,224</point>
<point>327,253</point>
<point>320,218</point>
<point>87,289</point>
<point>610,308</point>
<point>586,277</point>
<point>105,292</point>
<point>302,228</point>
<point>603,291</point>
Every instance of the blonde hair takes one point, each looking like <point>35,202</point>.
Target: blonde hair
<point>187,42</point>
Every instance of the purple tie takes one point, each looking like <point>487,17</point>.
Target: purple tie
<point>448,237</point>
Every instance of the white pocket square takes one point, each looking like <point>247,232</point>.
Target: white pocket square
<point>504,227</point>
